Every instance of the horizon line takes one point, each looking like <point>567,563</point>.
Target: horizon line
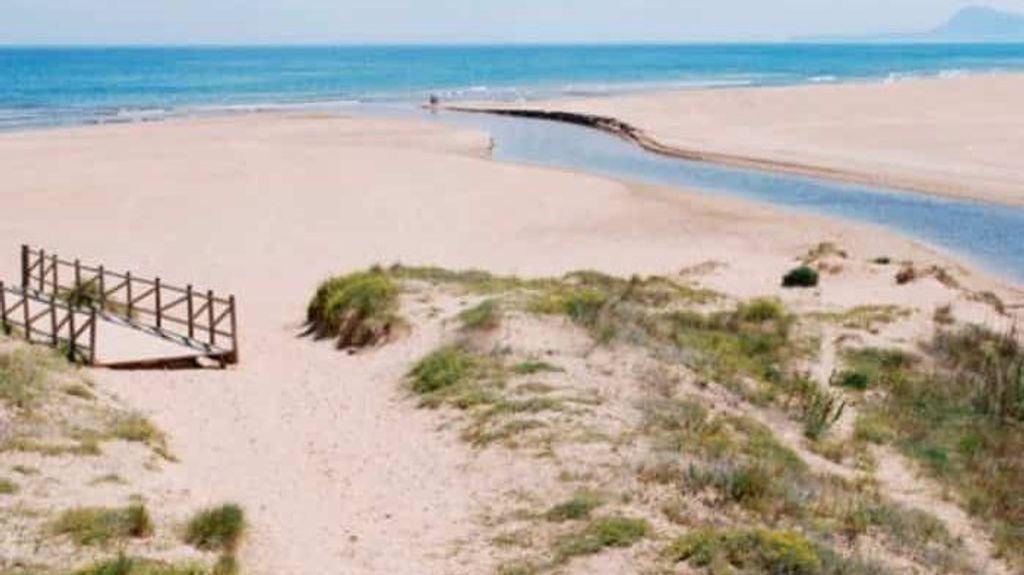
<point>514,43</point>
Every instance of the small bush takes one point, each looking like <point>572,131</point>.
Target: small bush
<point>602,533</point>
<point>216,529</point>
<point>761,310</point>
<point>7,487</point>
<point>750,485</point>
<point>803,277</point>
<point>534,366</point>
<point>87,295</point>
<point>583,305</point>
<point>484,316</point>
<point>225,565</point>
<point>101,526</point>
<point>579,507</point>
<point>80,391</point>
<point>852,379</point>
<point>360,309</point>
<point>444,368</point>
<point>756,550</point>
<point>944,315</point>
<point>124,565</point>
<point>23,375</point>
<point>907,274</point>
<point>135,428</point>
<point>820,410</point>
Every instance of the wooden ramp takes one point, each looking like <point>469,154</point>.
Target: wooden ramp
<point>117,320</point>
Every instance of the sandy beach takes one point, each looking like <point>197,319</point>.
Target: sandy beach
<point>336,468</point>
<point>961,137</point>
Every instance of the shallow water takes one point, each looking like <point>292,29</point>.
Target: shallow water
<point>989,235</point>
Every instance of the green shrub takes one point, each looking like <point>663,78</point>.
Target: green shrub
<point>80,391</point>
<point>135,428</point>
<point>23,376</point>
<point>483,316</point>
<point>960,416</point>
<point>100,526</point>
<point>581,304</point>
<point>754,550</point>
<point>745,484</point>
<point>124,565</point>
<point>600,534</point>
<point>225,565</point>
<point>86,294</point>
<point>360,309</point>
<point>819,410</point>
<point>7,487</point>
<point>852,379</point>
<point>533,366</point>
<point>216,529</point>
<point>579,507</point>
<point>441,369</point>
<point>803,276</point>
<point>761,310</point>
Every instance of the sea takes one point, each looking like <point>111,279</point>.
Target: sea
<point>54,86</point>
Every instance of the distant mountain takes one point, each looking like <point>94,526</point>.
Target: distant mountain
<point>971,24</point>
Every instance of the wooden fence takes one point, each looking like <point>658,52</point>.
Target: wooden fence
<point>199,319</point>
<point>45,319</point>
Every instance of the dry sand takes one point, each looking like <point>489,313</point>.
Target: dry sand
<point>337,470</point>
<point>960,137</point>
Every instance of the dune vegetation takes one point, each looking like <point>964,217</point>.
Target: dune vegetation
<point>726,420</point>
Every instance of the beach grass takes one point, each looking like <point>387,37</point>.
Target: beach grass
<point>358,309</point>
<point>216,529</point>
<point>87,526</point>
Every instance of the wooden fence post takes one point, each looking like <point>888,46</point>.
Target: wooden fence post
<point>72,337</point>
<point>3,310</point>
<point>78,275</point>
<point>128,286</point>
<point>191,318</point>
<point>92,337</point>
<point>24,267</point>
<point>233,359</point>
<point>42,270</point>
<point>103,289</point>
<point>53,320</point>
<point>28,318</point>
<point>159,307</point>
<point>209,317</point>
<point>56,281</point>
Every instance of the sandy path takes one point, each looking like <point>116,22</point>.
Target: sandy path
<point>960,137</point>
<point>335,469</point>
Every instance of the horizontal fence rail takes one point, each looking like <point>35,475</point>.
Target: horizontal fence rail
<point>199,319</point>
<point>43,318</point>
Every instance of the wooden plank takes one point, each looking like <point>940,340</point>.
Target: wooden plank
<point>179,301</point>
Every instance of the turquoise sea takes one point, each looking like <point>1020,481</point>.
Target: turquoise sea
<point>53,86</point>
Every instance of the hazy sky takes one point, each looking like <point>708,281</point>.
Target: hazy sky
<point>359,21</point>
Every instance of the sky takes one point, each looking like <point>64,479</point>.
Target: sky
<point>458,21</point>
